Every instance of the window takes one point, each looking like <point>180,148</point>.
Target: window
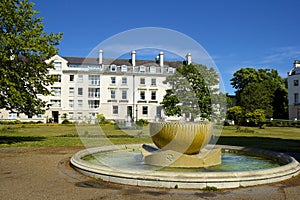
<point>80,103</point>
<point>71,103</point>
<point>124,80</point>
<point>93,103</point>
<point>152,69</point>
<point>94,92</point>
<point>153,95</point>
<point>113,80</point>
<point>296,82</point>
<point>80,115</point>
<point>80,91</point>
<point>153,81</point>
<point>71,115</point>
<point>94,80</point>
<point>113,94</point>
<point>71,78</point>
<point>142,68</point>
<point>80,78</point>
<point>170,70</point>
<point>57,65</point>
<point>142,81</point>
<point>39,116</point>
<point>13,115</point>
<point>56,91</point>
<point>113,68</point>
<point>123,68</point>
<point>145,110</point>
<point>142,95</point>
<point>124,94</point>
<point>71,91</point>
<point>55,103</point>
<point>296,98</point>
<point>92,115</point>
<point>115,110</point>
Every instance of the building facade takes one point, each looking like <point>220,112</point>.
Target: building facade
<point>119,89</point>
<point>294,91</point>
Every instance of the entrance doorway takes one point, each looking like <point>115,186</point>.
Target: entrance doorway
<point>129,112</point>
<point>55,115</point>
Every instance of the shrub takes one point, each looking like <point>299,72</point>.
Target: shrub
<point>66,122</point>
<point>142,122</point>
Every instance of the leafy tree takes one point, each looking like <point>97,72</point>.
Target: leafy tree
<point>170,104</point>
<point>24,47</point>
<point>235,113</point>
<point>192,92</point>
<point>256,117</point>
<point>257,96</point>
<point>261,89</point>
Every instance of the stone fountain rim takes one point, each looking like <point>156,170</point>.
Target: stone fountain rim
<point>191,180</point>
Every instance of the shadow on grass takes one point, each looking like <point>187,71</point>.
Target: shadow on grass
<point>274,144</point>
<point>17,139</point>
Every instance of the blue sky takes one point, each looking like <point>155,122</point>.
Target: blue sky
<point>235,33</point>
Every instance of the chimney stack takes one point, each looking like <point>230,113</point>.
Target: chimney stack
<point>188,58</point>
<point>100,57</point>
<point>161,59</point>
<point>133,58</point>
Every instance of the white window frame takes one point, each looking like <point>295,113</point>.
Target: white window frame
<point>124,68</point>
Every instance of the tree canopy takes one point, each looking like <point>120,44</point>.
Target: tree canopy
<point>192,92</point>
<point>261,89</point>
<point>24,48</point>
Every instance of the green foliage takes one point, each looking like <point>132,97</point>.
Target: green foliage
<point>170,104</point>
<point>142,122</point>
<point>101,119</point>
<point>65,121</point>
<point>256,117</point>
<point>192,92</point>
<point>261,89</point>
<point>235,113</point>
<point>210,188</point>
<point>24,47</point>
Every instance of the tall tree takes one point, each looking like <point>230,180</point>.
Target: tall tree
<point>261,89</point>
<point>194,89</point>
<point>24,47</point>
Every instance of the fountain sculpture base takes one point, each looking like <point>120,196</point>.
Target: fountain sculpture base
<point>170,158</point>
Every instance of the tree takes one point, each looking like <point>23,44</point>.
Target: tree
<point>257,117</point>
<point>261,89</point>
<point>24,48</point>
<point>192,92</point>
<point>236,114</point>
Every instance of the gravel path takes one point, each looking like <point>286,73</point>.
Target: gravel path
<point>44,173</point>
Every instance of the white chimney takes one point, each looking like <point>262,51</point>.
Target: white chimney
<point>133,58</point>
<point>161,59</point>
<point>188,58</point>
<point>100,57</point>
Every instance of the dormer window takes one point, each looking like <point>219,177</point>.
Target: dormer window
<point>124,68</point>
<point>57,65</point>
<point>142,68</point>
<point>113,68</point>
<point>170,70</point>
<point>152,69</point>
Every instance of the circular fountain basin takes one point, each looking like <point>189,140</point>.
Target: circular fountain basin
<point>123,164</point>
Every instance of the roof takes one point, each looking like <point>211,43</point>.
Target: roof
<point>119,62</point>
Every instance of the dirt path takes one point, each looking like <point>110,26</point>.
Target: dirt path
<point>44,173</point>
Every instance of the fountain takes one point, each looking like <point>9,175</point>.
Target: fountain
<point>183,158</point>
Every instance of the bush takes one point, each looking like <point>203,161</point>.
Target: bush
<point>66,122</point>
<point>142,122</point>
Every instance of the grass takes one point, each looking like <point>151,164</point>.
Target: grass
<point>273,138</point>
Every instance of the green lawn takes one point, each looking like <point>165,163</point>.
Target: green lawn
<point>273,138</point>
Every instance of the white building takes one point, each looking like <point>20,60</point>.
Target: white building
<point>294,91</point>
<point>120,89</point>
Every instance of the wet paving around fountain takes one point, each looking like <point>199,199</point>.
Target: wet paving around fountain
<point>44,173</point>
